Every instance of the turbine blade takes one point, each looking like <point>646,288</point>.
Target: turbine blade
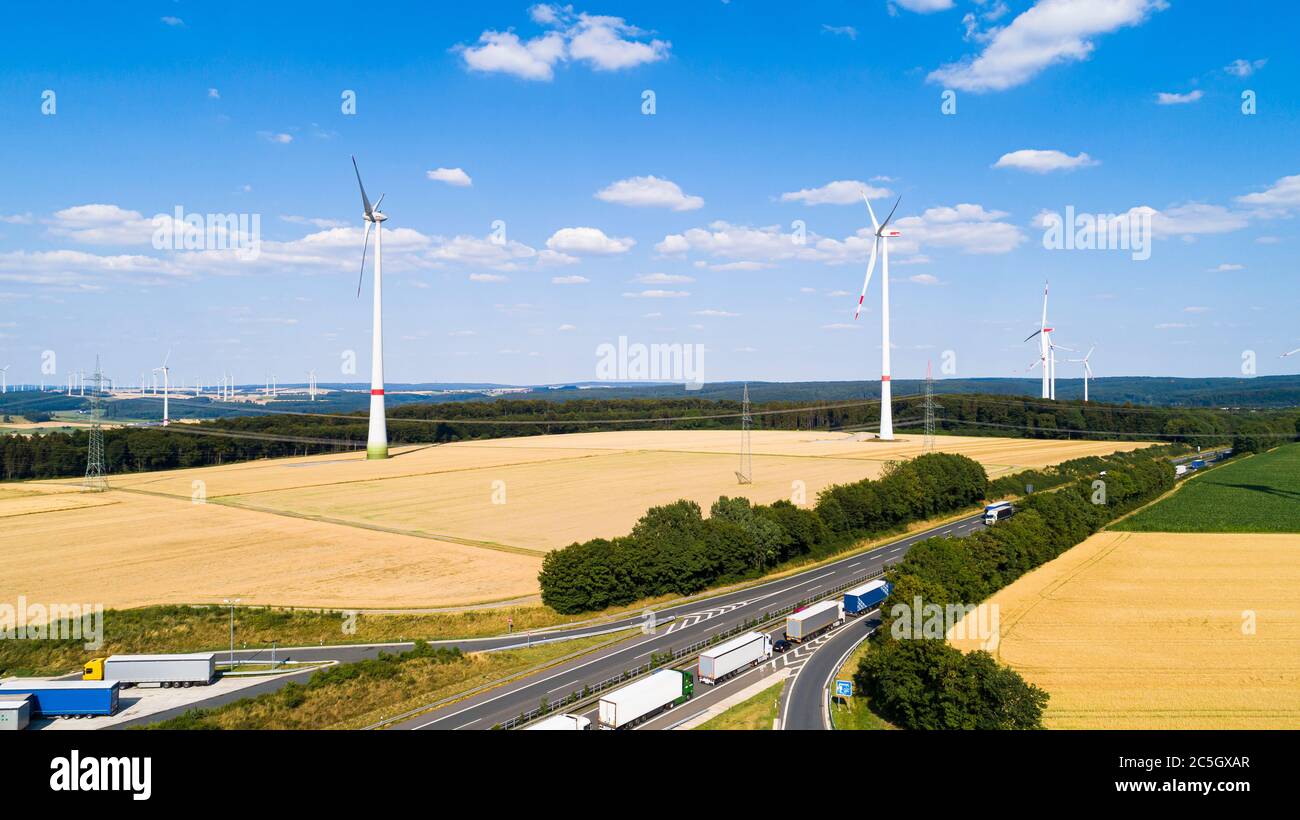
<point>874,224</point>
<point>891,212</point>
<point>1032,335</point>
<point>364,244</point>
<point>871,266</point>
<point>364,200</point>
<point>379,201</point>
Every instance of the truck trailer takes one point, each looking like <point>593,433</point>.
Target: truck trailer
<point>725,659</point>
<point>65,698</point>
<point>866,597</point>
<point>662,690</point>
<point>1000,511</point>
<point>808,622</point>
<point>196,669</point>
<point>561,722</point>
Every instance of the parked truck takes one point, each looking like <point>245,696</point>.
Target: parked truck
<point>65,698</point>
<point>866,597</point>
<point>1000,511</point>
<point>725,659</point>
<point>196,669</point>
<point>650,695</point>
<point>808,622</point>
<point>561,722</point>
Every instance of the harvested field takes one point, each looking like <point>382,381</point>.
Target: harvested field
<point>1153,631</point>
<point>422,529</point>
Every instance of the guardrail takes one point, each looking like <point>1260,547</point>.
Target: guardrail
<point>670,657</point>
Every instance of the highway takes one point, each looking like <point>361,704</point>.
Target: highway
<point>804,701</point>
<point>694,622</point>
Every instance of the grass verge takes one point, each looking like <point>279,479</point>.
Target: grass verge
<point>757,712</point>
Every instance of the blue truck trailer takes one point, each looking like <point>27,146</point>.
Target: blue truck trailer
<point>65,698</point>
<point>866,597</point>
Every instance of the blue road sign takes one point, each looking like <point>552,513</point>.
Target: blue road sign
<point>844,688</point>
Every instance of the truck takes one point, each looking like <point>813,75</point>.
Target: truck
<point>649,696</point>
<point>725,659</point>
<point>1180,470</point>
<point>561,722</point>
<point>195,669</point>
<point>806,623</point>
<point>1198,463</point>
<point>1000,511</point>
<point>866,597</point>
<point>65,698</point>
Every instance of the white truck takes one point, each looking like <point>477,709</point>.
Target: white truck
<point>725,659</point>
<point>194,669</point>
<point>811,620</point>
<point>661,690</point>
<point>562,723</point>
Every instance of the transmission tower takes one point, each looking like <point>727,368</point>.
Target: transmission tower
<point>95,481</point>
<point>745,475</point>
<point>927,445</point>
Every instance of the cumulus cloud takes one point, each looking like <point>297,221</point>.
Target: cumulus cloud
<point>1048,33</point>
<point>663,279</point>
<point>451,176</point>
<point>839,192</point>
<point>488,277</point>
<point>602,42</point>
<point>1244,68</point>
<point>846,31</point>
<point>920,6</point>
<point>658,294</point>
<point>649,192</point>
<point>278,138</point>
<point>1043,162</point>
<point>1283,194</point>
<point>569,280</point>
<point>588,241</point>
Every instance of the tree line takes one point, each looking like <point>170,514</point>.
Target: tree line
<point>674,549</point>
<point>920,682</point>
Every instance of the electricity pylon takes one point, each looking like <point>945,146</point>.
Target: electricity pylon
<point>745,475</point>
<point>95,482</point>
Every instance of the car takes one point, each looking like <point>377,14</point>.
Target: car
<point>780,645</point>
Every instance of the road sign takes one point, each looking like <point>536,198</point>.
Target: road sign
<point>844,688</point>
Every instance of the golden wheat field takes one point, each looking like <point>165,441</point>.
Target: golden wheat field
<point>435,525</point>
<point>1155,631</point>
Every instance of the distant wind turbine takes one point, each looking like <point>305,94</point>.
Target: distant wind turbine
<point>165,370</point>
<point>1087,371</point>
<point>1046,359</point>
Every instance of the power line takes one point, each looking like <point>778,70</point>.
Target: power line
<point>95,482</point>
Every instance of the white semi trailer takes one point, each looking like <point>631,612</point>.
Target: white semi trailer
<point>194,669</point>
<point>561,722</point>
<point>725,659</point>
<point>811,620</point>
<point>665,688</point>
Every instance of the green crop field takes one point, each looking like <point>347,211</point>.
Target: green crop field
<point>1256,494</point>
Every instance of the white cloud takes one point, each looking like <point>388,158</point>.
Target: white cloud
<point>602,42</point>
<point>569,280</point>
<point>173,21</point>
<point>847,31</point>
<point>717,314</point>
<point>462,333</point>
<point>839,326</point>
<point>1169,98</point>
<point>479,252</point>
<point>1048,33</point>
<point>1227,267</point>
<point>1285,193</point>
<point>1244,68</point>
<point>924,279</point>
<point>731,266</point>
<point>451,176</point>
<point>658,294</point>
<point>1191,219</point>
<point>663,279</point>
<point>567,328</point>
<point>588,241</point>
<point>649,192</point>
<point>315,221</point>
<point>1195,309</point>
<point>839,192</point>
<point>922,6</point>
<point>214,94</point>
<point>1171,325</point>
<point>1042,162</point>
<point>488,277</point>
<point>965,227</point>
<point>100,224</point>
<point>17,219</point>
<point>278,138</point>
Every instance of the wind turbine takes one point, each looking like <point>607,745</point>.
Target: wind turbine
<point>1291,353</point>
<point>165,370</point>
<point>4,378</point>
<point>1087,371</point>
<point>377,439</point>
<point>1046,359</point>
<point>881,243</point>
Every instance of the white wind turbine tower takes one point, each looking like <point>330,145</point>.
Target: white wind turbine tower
<point>377,440</point>
<point>881,243</point>
<point>4,378</point>
<point>1087,371</point>
<point>1046,357</point>
<point>165,371</point>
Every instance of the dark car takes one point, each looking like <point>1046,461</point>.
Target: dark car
<point>780,645</point>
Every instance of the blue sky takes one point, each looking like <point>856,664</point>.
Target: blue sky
<point>674,227</point>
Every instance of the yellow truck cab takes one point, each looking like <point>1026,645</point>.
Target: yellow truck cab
<point>94,669</point>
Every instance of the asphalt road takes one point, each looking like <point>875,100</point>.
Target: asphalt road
<point>694,622</point>
<point>805,695</point>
